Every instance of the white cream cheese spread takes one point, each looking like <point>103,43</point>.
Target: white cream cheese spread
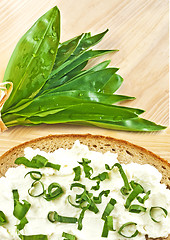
<point>92,224</point>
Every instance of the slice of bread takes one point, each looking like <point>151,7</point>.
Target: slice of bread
<point>126,151</point>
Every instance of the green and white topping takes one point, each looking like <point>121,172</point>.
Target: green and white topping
<point>77,194</point>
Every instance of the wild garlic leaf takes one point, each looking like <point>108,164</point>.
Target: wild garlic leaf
<point>65,50</point>
<point>86,111</point>
<point>33,58</point>
<point>76,61</point>
<point>92,81</point>
<point>133,124</point>
<point>53,83</point>
<point>61,100</point>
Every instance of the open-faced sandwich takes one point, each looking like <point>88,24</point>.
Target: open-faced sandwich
<point>83,187</point>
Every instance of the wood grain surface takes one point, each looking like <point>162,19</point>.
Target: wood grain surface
<point>139,29</point>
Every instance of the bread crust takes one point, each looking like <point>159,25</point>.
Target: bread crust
<point>127,152</point>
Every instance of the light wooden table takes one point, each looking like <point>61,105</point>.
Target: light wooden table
<point>139,29</point>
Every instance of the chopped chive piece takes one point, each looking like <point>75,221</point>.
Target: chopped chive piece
<point>35,175</point>
<point>22,223</point>
<point>80,219</point>
<point>83,201</point>
<point>77,171</point>
<point>93,207</point>
<point>77,185</point>
<point>54,191</point>
<point>33,237</point>
<point>134,184</point>
<point>68,236</point>
<point>54,166</point>
<point>96,187</point>
<point>54,217</point>
<point>101,176</point>
<point>108,226</point>
<point>137,208</point>
<point>142,200</point>
<point>109,208</point>
<point>98,199</point>
<point>32,190</point>
<point>125,225</point>
<point>126,188</point>
<point>3,219</point>
<point>151,211</point>
<point>20,209</point>
<point>37,162</point>
<point>86,168</point>
<point>137,189</point>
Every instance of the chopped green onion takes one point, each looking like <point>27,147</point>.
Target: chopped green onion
<point>54,217</point>
<point>52,165</point>
<point>95,188</point>
<point>22,224</point>
<point>34,237</point>
<point>20,209</point>
<point>53,194</point>
<point>108,226</point>
<point>142,200</point>
<point>152,210</point>
<point>93,207</point>
<point>83,201</point>
<point>80,226</point>
<point>137,208</point>
<point>134,184</point>
<point>98,199</point>
<point>137,189</point>
<point>68,236</point>
<point>87,169</point>
<point>77,171</point>
<point>72,204</point>
<point>33,187</point>
<point>109,208</point>
<point>125,225</point>
<point>37,162</point>
<point>77,185</point>
<point>101,176</point>
<point>35,175</point>
<point>126,188</point>
<point>3,219</point>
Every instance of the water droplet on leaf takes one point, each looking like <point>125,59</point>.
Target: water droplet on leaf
<point>52,51</point>
<point>54,34</point>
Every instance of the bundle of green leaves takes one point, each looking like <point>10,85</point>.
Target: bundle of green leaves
<point>51,86</point>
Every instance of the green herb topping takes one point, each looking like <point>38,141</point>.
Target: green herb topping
<point>20,209</point>
<point>3,218</point>
<point>126,225</point>
<point>154,209</point>
<point>37,162</point>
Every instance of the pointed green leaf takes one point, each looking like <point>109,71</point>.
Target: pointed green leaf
<point>134,124</point>
<point>61,100</point>
<point>76,72</point>
<point>92,81</point>
<point>33,58</point>
<point>76,61</point>
<point>65,50</point>
<point>88,42</point>
<point>87,111</point>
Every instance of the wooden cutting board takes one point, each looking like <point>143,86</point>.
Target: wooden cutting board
<point>139,29</point>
